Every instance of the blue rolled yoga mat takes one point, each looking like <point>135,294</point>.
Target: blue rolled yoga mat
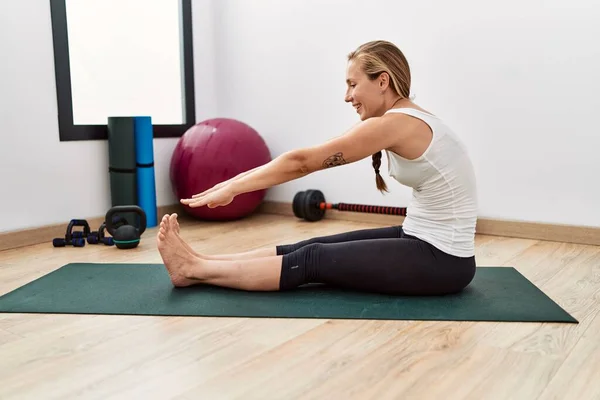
<point>144,157</point>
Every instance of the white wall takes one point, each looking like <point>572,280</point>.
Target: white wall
<point>45,181</point>
<point>517,80</point>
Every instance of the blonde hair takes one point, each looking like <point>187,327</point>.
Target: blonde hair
<point>375,58</point>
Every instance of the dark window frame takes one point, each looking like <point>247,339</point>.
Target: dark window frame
<point>70,132</point>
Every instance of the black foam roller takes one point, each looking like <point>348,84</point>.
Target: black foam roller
<point>123,191</point>
<point>122,162</point>
<point>122,188</point>
<point>121,143</point>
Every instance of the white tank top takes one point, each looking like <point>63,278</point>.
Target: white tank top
<point>443,208</point>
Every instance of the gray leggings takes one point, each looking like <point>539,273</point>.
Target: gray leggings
<point>381,260</point>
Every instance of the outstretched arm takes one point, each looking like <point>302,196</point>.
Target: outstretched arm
<point>361,141</point>
<point>227,182</point>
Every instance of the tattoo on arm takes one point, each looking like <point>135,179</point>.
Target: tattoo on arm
<point>334,161</point>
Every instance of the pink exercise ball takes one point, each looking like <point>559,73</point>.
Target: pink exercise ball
<point>214,151</point>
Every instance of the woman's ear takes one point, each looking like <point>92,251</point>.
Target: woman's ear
<point>384,80</point>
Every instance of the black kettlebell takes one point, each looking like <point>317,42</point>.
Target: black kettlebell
<point>125,236</point>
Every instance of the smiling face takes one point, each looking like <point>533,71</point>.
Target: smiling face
<point>366,95</point>
<point>378,76</point>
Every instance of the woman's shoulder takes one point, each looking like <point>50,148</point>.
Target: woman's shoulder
<point>402,109</point>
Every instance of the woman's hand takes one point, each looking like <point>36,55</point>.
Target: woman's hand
<point>212,189</point>
<point>219,195</point>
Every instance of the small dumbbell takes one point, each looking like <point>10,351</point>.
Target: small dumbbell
<point>60,242</point>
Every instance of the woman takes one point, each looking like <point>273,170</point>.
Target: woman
<point>432,253</point>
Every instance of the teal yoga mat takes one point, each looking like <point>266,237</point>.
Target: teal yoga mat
<point>496,294</point>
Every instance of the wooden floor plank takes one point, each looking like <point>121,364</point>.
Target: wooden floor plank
<point>579,374</point>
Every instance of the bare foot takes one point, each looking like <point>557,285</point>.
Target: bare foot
<point>174,224</point>
<point>178,261</point>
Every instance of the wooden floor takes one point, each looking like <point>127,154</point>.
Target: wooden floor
<point>131,357</point>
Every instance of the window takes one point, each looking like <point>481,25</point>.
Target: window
<point>123,58</point>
